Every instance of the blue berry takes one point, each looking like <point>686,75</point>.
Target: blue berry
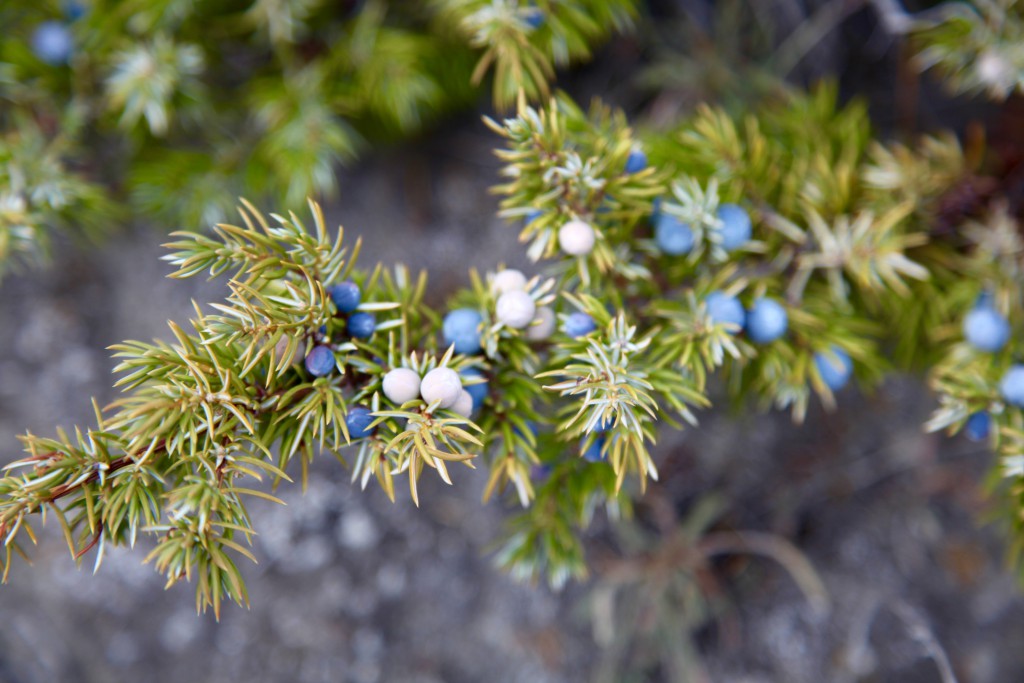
<point>736,230</point>
<point>636,162</point>
<point>978,426</point>
<point>579,324</point>
<point>834,367</point>
<point>723,308</point>
<point>320,361</point>
<point>986,330</point>
<point>767,320</point>
<point>604,425</point>
<point>73,10</point>
<point>1012,386</point>
<point>533,16</point>
<point>346,296</point>
<point>674,237</point>
<point>362,325</point>
<point>51,42</point>
<point>656,209</point>
<point>462,328</point>
<point>532,215</point>
<point>477,391</point>
<point>593,454</point>
<point>358,422</point>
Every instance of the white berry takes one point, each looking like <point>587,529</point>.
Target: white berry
<point>509,280</point>
<point>516,309</point>
<point>401,385</point>
<point>576,238</point>
<point>441,384</point>
<point>464,404</point>
<point>543,325</point>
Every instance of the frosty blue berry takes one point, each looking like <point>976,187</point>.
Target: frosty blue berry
<point>593,453</point>
<point>736,229</point>
<point>978,426</point>
<point>986,330</point>
<point>723,308</point>
<point>320,361</point>
<point>462,328</point>
<point>362,325</point>
<point>51,42</point>
<point>358,422</point>
<point>834,367</point>
<point>578,324</point>
<point>767,320</point>
<point>346,296</point>
<point>673,237</point>
<point>1012,386</point>
<point>477,391</point>
<point>637,161</point>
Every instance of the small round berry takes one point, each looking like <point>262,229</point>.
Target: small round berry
<point>735,230</point>
<point>532,215</point>
<point>978,426</point>
<point>516,309</point>
<point>578,324</point>
<point>358,422</point>
<point>346,296</point>
<point>362,325</point>
<point>543,325</point>
<point>462,328</point>
<point>986,330</point>
<point>73,10</point>
<point>443,385</point>
<point>463,404</point>
<point>673,237</point>
<point>320,361</point>
<point>576,238</point>
<point>835,367</point>
<point>767,320</point>
<point>723,308</point>
<point>533,16</point>
<point>594,454</point>
<point>637,161</point>
<point>401,385</point>
<point>52,43</point>
<point>508,280</point>
<point>604,424</point>
<point>477,391</point>
<point>1012,386</point>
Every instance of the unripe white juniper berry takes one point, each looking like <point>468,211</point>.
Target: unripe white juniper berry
<point>443,385</point>
<point>463,404</point>
<point>509,280</point>
<point>543,325</point>
<point>401,385</point>
<point>576,238</point>
<point>516,309</point>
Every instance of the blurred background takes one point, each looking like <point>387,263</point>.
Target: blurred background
<point>351,587</point>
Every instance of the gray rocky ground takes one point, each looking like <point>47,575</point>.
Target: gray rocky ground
<point>353,588</point>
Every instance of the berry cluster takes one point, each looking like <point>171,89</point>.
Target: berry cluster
<point>987,330</point>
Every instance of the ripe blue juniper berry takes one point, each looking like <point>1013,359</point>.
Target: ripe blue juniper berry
<point>985,329</point>
<point>978,426</point>
<point>736,229</point>
<point>723,308</point>
<point>593,452</point>
<point>835,367</point>
<point>52,42</point>
<point>346,296</point>
<point>637,161</point>
<point>362,325</point>
<point>320,361</point>
<point>477,391</point>
<point>358,422</point>
<point>462,328</point>
<point>672,236</point>
<point>767,320</point>
<point>579,324</point>
<point>1012,386</point>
